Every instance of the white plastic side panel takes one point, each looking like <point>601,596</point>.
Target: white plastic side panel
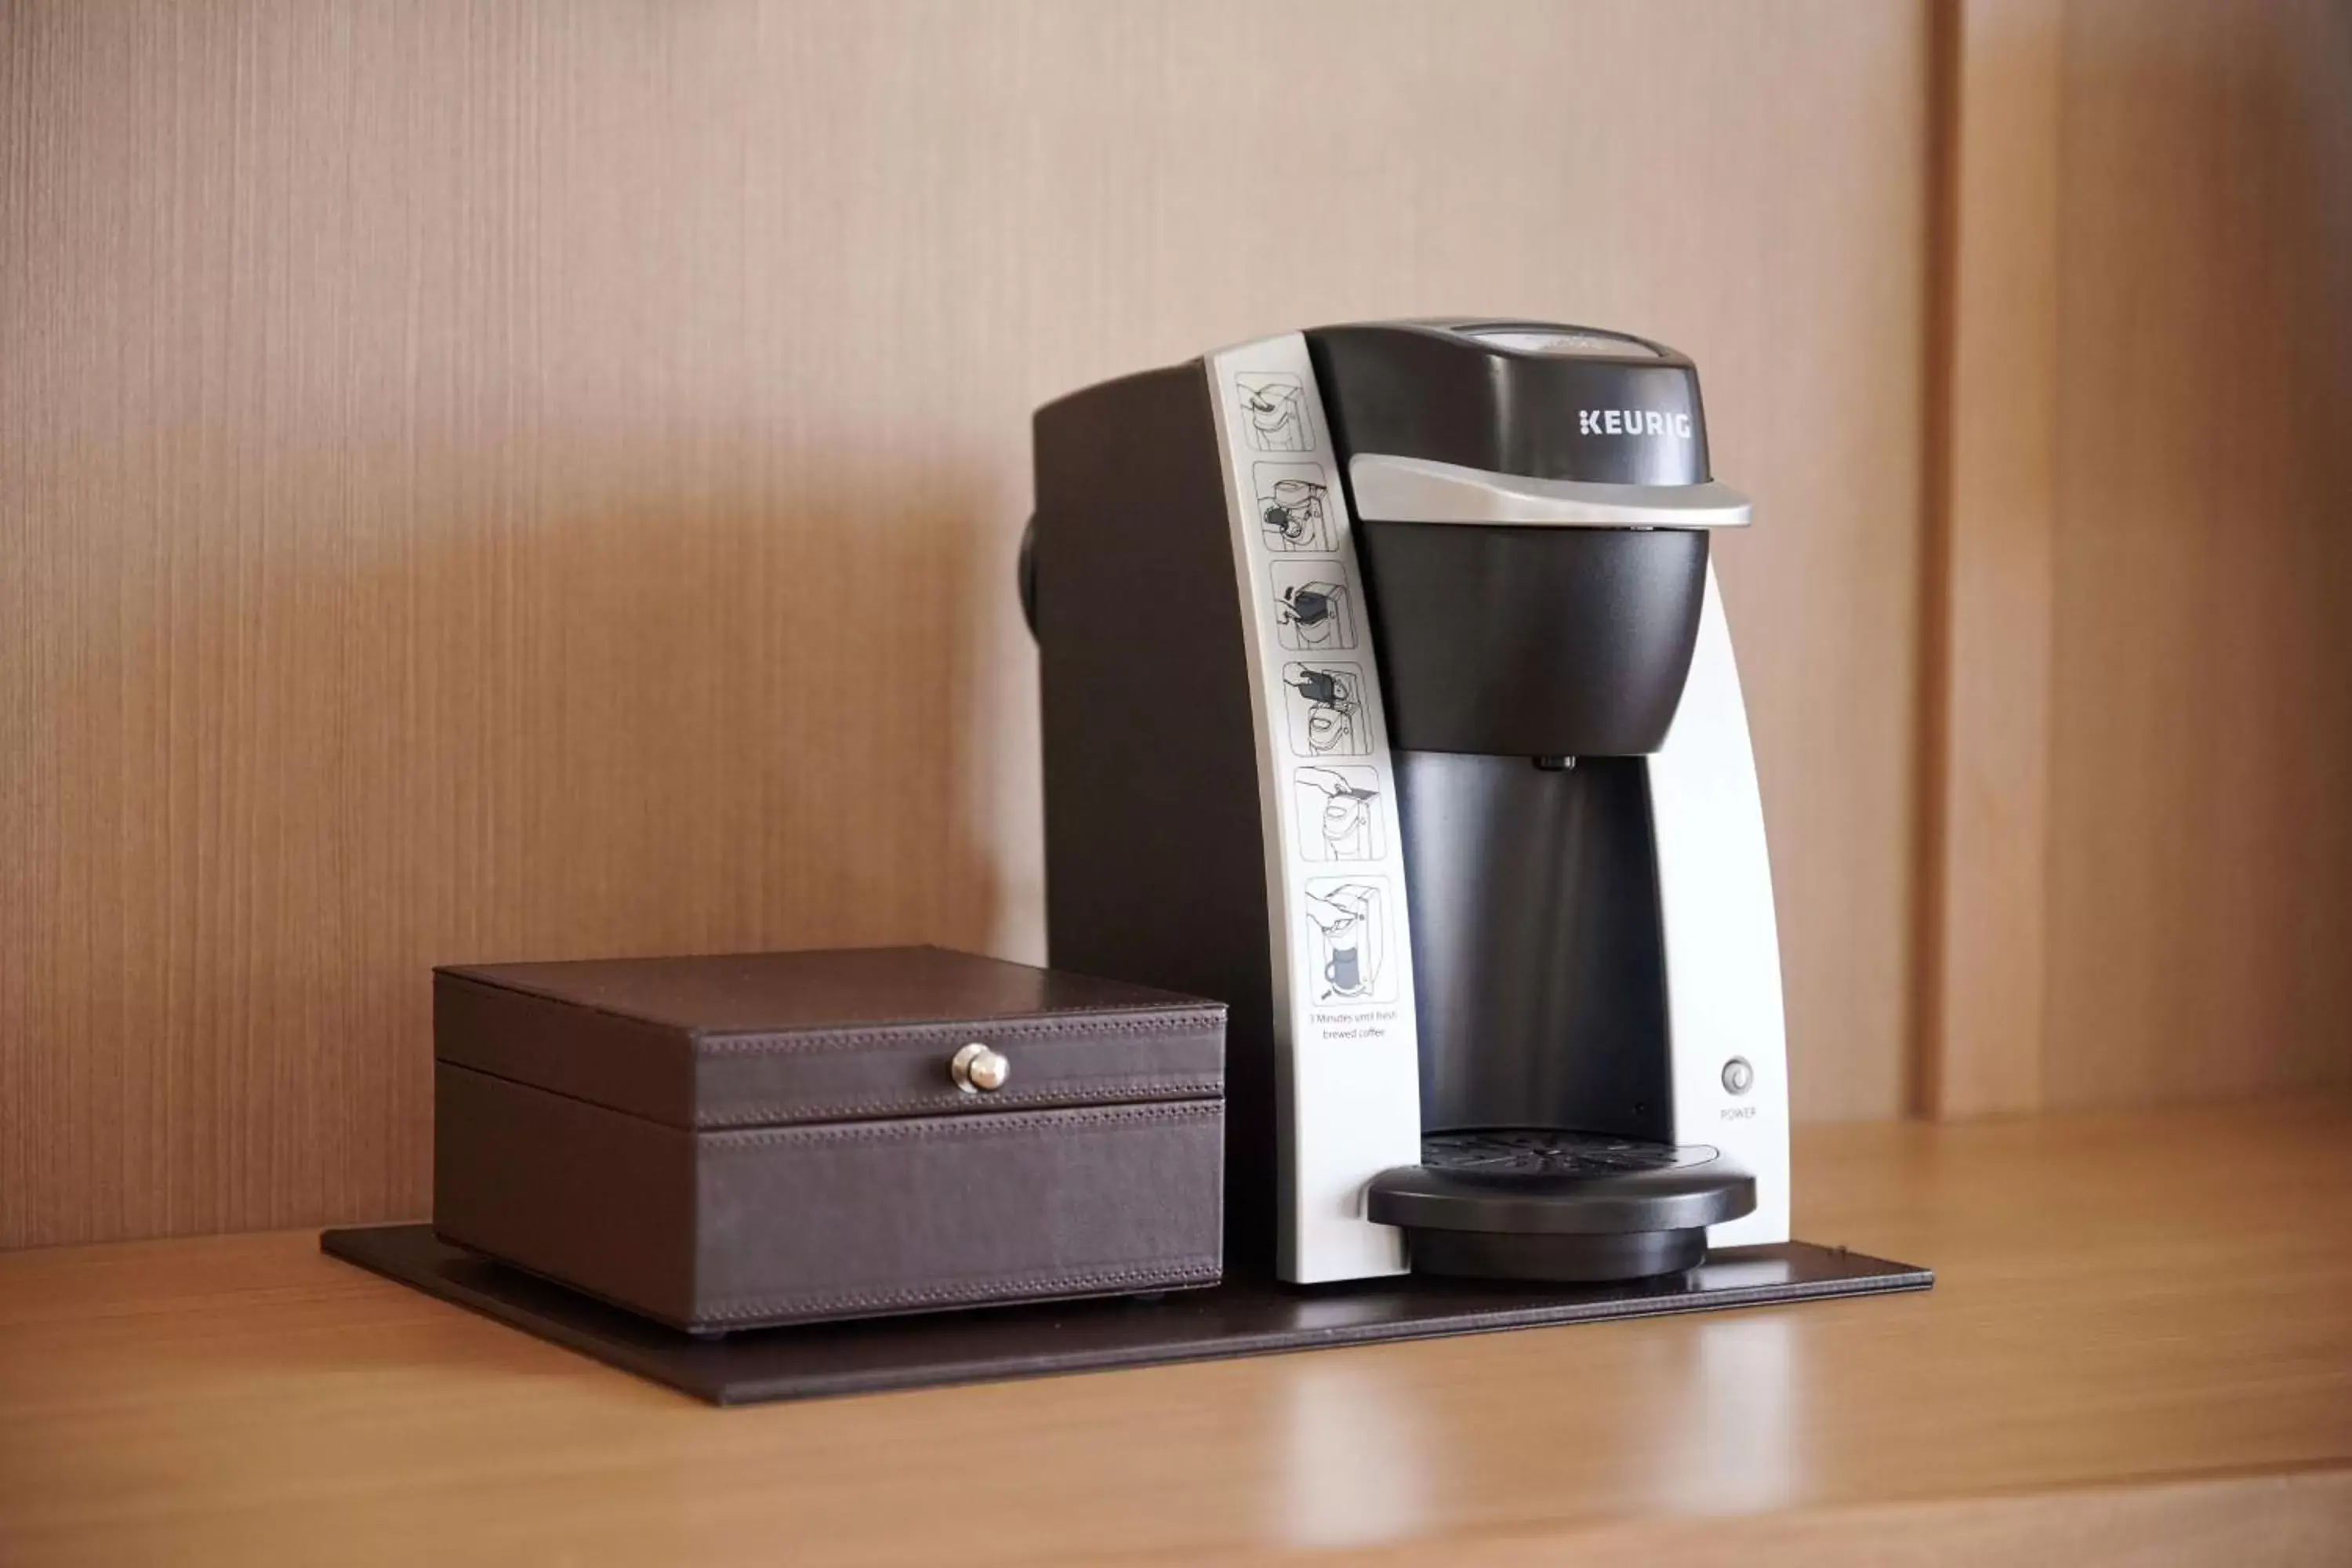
<point>1347,1057</point>
<point>1723,945</point>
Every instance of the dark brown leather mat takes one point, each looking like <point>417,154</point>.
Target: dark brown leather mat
<point>930,1350</point>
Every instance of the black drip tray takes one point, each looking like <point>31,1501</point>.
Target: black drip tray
<point>1240,1318</point>
<point>1573,1208</point>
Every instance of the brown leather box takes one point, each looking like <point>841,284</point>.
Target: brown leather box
<point>730,1143</point>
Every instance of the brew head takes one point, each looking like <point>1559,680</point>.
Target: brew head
<point>1533,509</point>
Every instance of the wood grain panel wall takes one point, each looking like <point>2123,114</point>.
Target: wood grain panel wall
<point>2141,883</point>
<point>1992,481</point>
<point>510,481</point>
<point>2200,810</point>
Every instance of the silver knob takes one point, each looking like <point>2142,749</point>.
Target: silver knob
<point>977,1068</point>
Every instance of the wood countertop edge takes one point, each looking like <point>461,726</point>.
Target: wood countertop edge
<point>2251,1518</point>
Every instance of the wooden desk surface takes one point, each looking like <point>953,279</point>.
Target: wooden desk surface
<point>2141,1343</point>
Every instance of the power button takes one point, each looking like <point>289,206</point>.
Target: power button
<point>1737,1076</point>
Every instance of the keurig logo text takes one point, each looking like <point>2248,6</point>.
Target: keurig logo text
<point>1632,422</point>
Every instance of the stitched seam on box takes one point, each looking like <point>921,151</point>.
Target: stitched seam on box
<point>1203,1266</point>
<point>816,1041</point>
<point>958,1102</point>
<point>1003,1126</point>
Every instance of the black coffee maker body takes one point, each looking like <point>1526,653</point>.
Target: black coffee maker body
<point>1388,697</point>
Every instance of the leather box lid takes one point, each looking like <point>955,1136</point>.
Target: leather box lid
<point>774,1038</point>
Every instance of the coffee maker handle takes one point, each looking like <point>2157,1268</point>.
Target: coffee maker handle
<point>1416,490</point>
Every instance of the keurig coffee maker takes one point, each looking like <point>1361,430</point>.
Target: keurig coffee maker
<point>1388,698</point>
<point>1393,738</point>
